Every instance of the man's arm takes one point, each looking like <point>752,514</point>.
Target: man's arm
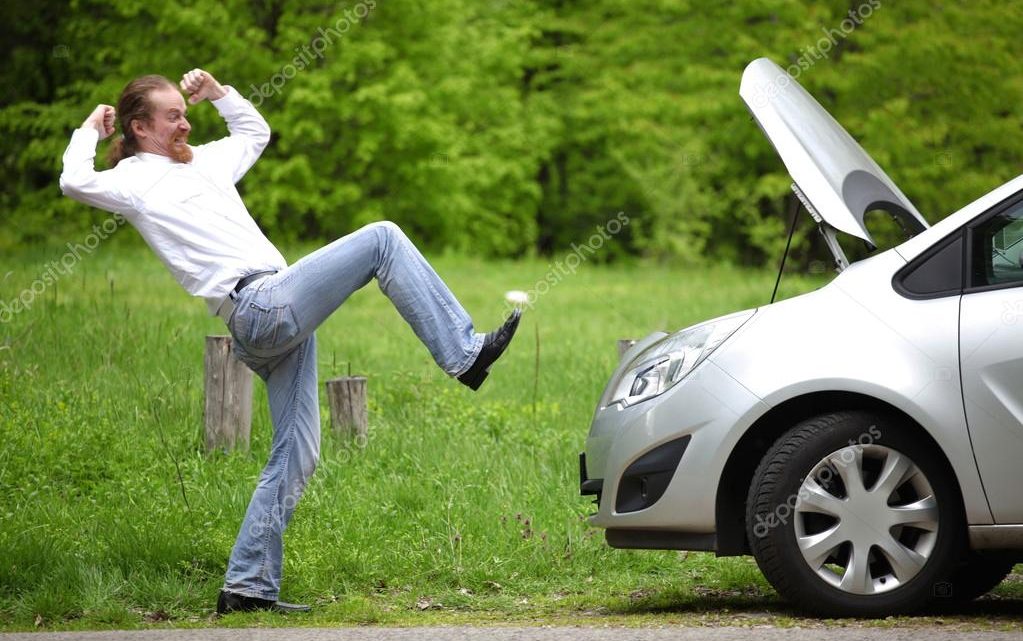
<point>249,131</point>
<point>79,179</point>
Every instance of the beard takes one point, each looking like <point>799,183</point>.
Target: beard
<point>179,149</point>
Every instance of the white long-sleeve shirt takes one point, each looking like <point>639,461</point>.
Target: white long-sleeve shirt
<point>190,214</point>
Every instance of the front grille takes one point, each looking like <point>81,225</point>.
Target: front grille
<point>588,486</point>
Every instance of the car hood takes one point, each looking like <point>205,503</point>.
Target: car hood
<point>837,180</point>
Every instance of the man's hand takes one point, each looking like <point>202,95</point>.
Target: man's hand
<point>200,85</point>
<point>102,120</point>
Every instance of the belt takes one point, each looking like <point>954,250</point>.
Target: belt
<point>227,307</point>
<point>245,281</point>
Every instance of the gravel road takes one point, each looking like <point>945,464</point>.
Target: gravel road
<point>525,634</point>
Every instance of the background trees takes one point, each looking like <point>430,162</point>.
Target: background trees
<point>514,127</point>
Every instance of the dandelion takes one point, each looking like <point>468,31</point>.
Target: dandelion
<point>516,297</point>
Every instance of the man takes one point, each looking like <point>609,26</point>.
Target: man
<point>183,201</point>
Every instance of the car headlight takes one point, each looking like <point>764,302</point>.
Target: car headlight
<point>662,365</point>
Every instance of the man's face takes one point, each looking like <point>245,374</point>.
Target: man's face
<point>167,131</point>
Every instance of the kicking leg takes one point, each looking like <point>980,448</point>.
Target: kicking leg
<point>315,286</point>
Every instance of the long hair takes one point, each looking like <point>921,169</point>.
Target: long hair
<point>134,104</point>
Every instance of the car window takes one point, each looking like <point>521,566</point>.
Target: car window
<point>998,249</point>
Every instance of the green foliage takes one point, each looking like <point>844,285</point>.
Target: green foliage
<point>509,128</point>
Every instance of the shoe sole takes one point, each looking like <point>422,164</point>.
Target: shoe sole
<point>475,382</point>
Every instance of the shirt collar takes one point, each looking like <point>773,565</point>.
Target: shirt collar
<point>148,157</point>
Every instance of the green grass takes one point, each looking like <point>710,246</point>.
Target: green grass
<point>462,508</point>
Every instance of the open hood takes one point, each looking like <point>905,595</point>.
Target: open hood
<point>836,180</point>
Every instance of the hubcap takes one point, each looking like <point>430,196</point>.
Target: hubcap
<point>866,519</point>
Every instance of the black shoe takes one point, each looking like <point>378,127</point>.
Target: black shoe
<point>231,602</point>
<point>494,345</point>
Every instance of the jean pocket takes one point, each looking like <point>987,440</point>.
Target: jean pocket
<point>262,327</point>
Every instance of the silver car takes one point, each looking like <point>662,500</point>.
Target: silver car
<point>864,441</point>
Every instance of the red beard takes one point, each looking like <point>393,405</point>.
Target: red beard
<point>180,151</point>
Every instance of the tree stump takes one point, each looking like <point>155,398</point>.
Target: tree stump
<point>349,416</point>
<point>623,346</point>
<point>228,411</point>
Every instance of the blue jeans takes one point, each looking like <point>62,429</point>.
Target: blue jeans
<point>273,327</point>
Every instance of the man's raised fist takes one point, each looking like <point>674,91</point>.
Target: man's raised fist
<point>102,120</point>
<point>200,85</point>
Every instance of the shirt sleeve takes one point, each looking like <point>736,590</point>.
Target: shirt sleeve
<point>249,135</point>
<point>80,180</point>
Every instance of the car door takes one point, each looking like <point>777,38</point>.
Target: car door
<point>991,354</point>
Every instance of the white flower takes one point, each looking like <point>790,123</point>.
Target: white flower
<point>516,297</point>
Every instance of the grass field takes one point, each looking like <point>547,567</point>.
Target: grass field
<point>462,507</point>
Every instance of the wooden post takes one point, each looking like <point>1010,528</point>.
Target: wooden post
<point>348,414</point>
<point>228,397</point>
<point>623,346</point>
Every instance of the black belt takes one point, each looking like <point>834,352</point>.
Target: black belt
<point>227,306</point>
<point>251,278</point>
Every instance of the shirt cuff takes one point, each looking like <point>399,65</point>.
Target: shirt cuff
<point>85,135</point>
<point>231,103</point>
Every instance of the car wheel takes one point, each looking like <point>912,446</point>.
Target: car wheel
<point>851,514</point>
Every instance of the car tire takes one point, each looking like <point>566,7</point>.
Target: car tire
<point>853,514</point>
<point>975,576</point>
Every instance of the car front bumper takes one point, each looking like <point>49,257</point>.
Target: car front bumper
<point>655,466</point>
